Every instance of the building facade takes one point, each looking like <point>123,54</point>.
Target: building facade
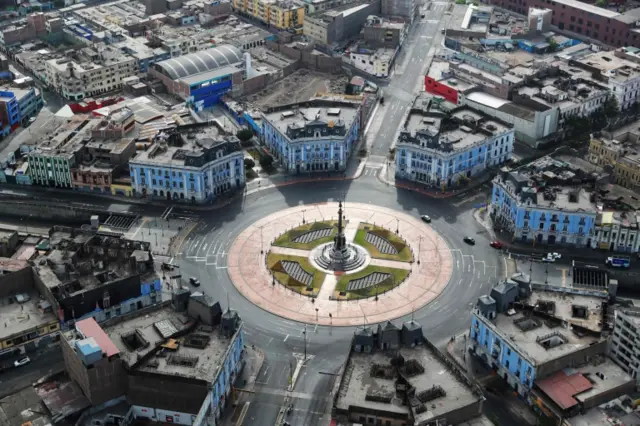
<point>621,153</point>
<point>179,174</point>
<point>624,349</point>
<point>317,136</point>
<point>536,209</point>
<point>447,150</point>
<point>281,14</point>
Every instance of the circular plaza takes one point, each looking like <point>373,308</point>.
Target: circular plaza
<point>339,264</point>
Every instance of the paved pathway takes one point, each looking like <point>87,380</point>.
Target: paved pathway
<point>351,230</point>
<point>328,287</point>
<point>391,264</point>
<point>248,272</point>
<point>288,251</point>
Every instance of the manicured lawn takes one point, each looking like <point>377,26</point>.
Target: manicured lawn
<point>286,239</point>
<point>404,251</point>
<point>398,275</point>
<point>273,260</point>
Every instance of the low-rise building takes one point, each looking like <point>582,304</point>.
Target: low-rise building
<point>616,226</point>
<point>315,136</point>
<point>339,24</point>
<point>194,168</point>
<point>394,376</point>
<point>528,332</point>
<point>88,274</point>
<point>384,32</point>
<point>548,201</point>
<point>281,14</point>
<point>29,321</point>
<point>620,151</point>
<point>377,61</point>
<point>448,149</point>
<point>625,341</point>
<point>161,365</point>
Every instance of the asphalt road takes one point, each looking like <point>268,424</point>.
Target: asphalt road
<point>204,255</point>
<point>408,76</point>
<point>42,364</point>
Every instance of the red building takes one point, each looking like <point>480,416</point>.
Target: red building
<point>437,88</point>
<point>607,26</point>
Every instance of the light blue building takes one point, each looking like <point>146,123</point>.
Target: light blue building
<point>549,201</point>
<point>315,136</point>
<point>188,168</point>
<point>526,332</point>
<point>448,149</point>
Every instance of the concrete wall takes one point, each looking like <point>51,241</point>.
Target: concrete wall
<point>16,282</point>
<point>571,360</point>
<point>307,59</point>
<point>104,381</point>
<point>170,393</point>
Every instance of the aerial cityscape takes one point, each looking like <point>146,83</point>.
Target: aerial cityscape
<point>320,212</point>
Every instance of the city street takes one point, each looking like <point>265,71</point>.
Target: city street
<point>204,252</point>
<point>43,363</point>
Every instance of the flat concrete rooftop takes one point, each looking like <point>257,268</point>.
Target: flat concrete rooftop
<point>298,118</point>
<point>19,317</point>
<point>564,303</point>
<point>523,331</point>
<point>201,363</point>
<point>361,383</point>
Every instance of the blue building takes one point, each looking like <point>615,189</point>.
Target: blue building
<point>526,332</point>
<point>188,168</point>
<point>145,56</point>
<point>17,106</point>
<point>203,77</point>
<point>549,201</point>
<point>314,136</point>
<point>448,149</point>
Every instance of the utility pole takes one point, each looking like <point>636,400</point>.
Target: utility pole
<point>305,343</point>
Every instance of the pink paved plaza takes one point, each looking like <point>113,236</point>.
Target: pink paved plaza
<point>249,273</point>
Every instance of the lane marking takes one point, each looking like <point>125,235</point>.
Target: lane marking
<point>285,338</point>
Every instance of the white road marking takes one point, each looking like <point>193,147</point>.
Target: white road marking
<point>285,338</point>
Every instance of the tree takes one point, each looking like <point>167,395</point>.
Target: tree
<point>244,134</point>
<point>610,107</point>
<point>266,161</point>
<point>602,3</point>
<point>553,45</point>
<point>249,163</point>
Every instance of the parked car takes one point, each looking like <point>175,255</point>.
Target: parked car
<point>469,241</point>
<point>496,244</point>
<point>555,255</point>
<point>194,282</point>
<point>425,218</point>
<point>21,362</point>
<point>549,258</point>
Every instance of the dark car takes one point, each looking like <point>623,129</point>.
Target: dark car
<point>469,241</point>
<point>496,244</point>
<point>425,218</point>
<point>194,282</point>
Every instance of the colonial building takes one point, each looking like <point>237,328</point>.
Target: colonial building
<point>195,170</point>
<point>315,136</point>
<point>445,150</point>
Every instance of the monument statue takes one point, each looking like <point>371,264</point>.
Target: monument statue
<point>340,255</point>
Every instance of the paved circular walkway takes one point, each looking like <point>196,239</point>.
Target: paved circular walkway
<point>249,273</point>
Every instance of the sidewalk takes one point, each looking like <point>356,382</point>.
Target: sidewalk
<point>387,176</point>
<point>244,385</point>
<point>354,170</point>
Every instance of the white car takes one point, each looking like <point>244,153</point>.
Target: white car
<point>21,362</point>
<point>549,258</point>
<point>556,256</point>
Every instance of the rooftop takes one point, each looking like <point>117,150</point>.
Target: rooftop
<point>197,353</point>
<point>301,121</point>
<point>23,312</point>
<point>462,128</point>
<point>610,65</point>
<point>569,387</point>
<point>552,183</point>
<point>440,389</point>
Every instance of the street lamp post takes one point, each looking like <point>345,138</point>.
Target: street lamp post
<point>316,314</point>
<point>397,226</point>
<point>419,246</point>
<point>261,241</point>
<point>305,342</point>
<point>303,221</point>
<point>546,271</point>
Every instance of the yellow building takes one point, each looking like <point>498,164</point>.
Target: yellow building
<point>283,15</point>
<point>622,154</point>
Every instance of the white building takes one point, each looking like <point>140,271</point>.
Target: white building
<point>445,150</point>
<point>375,62</point>
<point>101,72</point>
<point>625,341</point>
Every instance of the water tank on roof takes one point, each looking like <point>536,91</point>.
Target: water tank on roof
<point>88,351</point>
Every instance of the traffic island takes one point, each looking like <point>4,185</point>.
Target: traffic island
<point>341,271</point>
<point>382,243</point>
<point>295,273</point>
<point>373,281</point>
<point>308,235</point>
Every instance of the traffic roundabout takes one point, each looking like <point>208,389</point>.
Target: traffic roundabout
<point>339,264</point>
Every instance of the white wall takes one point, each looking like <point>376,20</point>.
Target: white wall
<point>159,415</point>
